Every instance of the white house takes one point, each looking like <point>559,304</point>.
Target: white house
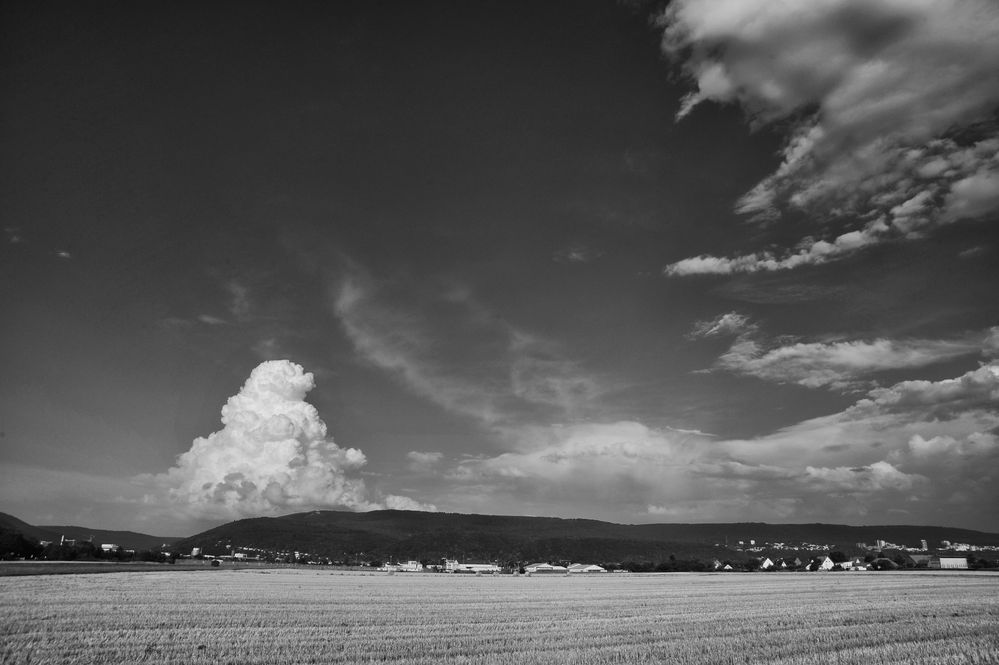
<point>821,563</point>
<point>545,568</point>
<point>766,564</point>
<point>586,568</point>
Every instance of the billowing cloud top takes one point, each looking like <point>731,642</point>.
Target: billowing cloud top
<point>271,456</point>
<point>890,103</point>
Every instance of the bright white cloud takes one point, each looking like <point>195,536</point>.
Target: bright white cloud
<point>272,456</point>
<point>890,105</point>
<point>978,389</point>
<point>871,478</point>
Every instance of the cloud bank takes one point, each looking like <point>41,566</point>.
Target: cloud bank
<point>891,109</point>
<point>272,456</point>
<point>924,449</point>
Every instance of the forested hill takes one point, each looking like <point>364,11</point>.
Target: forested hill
<point>125,539</point>
<point>422,535</point>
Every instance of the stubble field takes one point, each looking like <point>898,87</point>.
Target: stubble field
<point>307,616</point>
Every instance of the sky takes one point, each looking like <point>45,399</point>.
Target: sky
<point>705,261</point>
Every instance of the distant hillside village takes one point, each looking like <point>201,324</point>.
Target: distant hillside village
<point>478,545</point>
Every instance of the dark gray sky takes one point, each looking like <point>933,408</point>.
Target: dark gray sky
<point>724,261</point>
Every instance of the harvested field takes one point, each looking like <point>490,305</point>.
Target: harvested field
<point>305,616</point>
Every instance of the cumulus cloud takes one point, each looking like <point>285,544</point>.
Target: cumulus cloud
<point>890,107</point>
<point>273,455</point>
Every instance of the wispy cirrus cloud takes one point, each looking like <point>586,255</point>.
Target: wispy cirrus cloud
<point>423,461</point>
<point>891,109</point>
<point>577,253</point>
<point>445,346</point>
<point>730,323</point>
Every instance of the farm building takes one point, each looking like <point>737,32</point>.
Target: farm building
<point>766,564</point>
<point>452,566</point>
<point>545,568</point>
<point>935,562</point>
<point>586,568</point>
<point>951,563</point>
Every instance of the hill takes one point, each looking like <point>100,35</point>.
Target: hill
<point>126,539</point>
<point>11,524</point>
<point>129,540</point>
<point>420,535</point>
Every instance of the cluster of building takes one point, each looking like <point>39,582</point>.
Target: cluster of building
<point>454,566</point>
<point>753,546</point>
<point>820,563</point>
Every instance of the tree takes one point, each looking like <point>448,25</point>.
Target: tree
<point>837,557</point>
<point>14,545</point>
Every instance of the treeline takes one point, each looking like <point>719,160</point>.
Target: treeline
<point>672,565</point>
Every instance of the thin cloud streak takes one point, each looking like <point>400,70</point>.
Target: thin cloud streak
<point>510,375</point>
<point>842,365</point>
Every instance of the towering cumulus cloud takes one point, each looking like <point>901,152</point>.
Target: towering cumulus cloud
<point>272,455</point>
